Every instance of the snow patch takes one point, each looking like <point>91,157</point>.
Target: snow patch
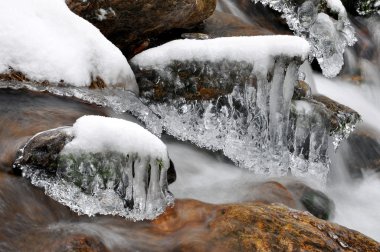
<point>46,41</point>
<point>99,134</point>
<point>258,50</point>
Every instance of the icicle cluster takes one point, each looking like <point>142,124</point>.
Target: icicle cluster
<point>328,34</point>
<point>234,104</point>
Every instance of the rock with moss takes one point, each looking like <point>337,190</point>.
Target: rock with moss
<point>94,174</point>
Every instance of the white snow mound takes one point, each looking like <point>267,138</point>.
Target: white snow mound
<point>258,50</point>
<point>46,41</point>
<point>99,134</point>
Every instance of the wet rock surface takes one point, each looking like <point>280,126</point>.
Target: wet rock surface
<point>363,153</point>
<point>201,80</point>
<point>129,23</point>
<point>42,151</point>
<point>340,115</point>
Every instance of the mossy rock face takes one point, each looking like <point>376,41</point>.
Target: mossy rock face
<point>192,80</point>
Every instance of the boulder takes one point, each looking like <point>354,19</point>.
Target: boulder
<point>129,24</point>
<point>254,227</point>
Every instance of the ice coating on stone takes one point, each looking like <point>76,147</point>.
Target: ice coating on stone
<point>110,166</point>
<point>328,36</point>
<point>258,50</point>
<point>252,120</point>
<point>251,125</point>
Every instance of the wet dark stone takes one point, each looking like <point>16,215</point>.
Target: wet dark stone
<point>362,153</point>
<point>171,173</point>
<point>314,201</point>
<point>42,151</point>
<point>129,23</point>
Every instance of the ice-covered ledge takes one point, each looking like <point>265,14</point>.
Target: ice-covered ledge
<point>209,68</point>
<point>260,51</point>
<point>235,95</point>
<point>100,166</point>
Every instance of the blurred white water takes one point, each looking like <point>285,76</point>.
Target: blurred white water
<point>357,202</point>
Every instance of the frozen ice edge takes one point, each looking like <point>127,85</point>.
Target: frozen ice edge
<point>119,100</point>
<point>107,201</point>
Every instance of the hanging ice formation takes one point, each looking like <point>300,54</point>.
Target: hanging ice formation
<point>235,95</point>
<point>100,166</point>
<point>324,23</point>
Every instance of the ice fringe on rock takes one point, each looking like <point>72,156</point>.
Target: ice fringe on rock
<point>107,166</point>
<point>120,101</point>
<point>45,41</point>
<point>328,36</point>
<point>253,121</point>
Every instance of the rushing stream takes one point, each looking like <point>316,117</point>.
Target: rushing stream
<point>209,166</point>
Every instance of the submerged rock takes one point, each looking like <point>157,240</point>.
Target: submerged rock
<point>129,23</point>
<point>362,153</point>
<point>314,201</point>
<point>271,192</point>
<point>100,165</point>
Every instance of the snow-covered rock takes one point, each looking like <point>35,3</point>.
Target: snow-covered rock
<point>235,95</point>
<point>204,69</point>
<point>100,165</point>
<point>260,51</point>
<point>45,41</point>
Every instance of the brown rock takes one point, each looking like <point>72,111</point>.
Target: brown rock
<point>255,227</point>
<point>128,23</point>
<point>340,114</point>
<point>78,243</point>
<point>222,24</point>
<point>256,15</point>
